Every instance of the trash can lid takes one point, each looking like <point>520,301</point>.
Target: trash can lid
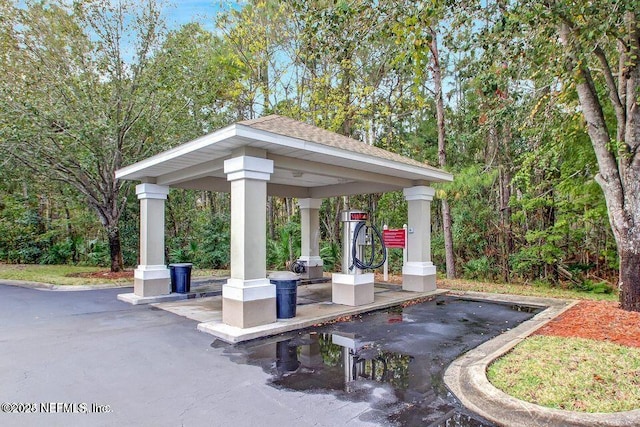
<point>182,264</point>
<point>283,275</point>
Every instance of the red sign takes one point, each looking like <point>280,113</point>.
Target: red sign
<point>358,216</point>
<point>394,238</point>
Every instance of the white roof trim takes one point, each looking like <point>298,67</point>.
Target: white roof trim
<point>136,170</point>
<point>287,141</point>
<point>181,150</point>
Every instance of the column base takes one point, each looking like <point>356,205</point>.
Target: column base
<point>313,267</point>
<point>312,273</point>
<point>248,303</point>
<point>419,277</point>
<point>151,281</point>
<point>352,289</point>
<point>310,354</point>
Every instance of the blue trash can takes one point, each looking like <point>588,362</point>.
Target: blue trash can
<point>172,275</point>
<point>286,293</point>
<point>181,277</point>
<point>286,357</point>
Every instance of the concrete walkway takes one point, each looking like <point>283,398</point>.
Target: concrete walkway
<point>467,377</point>
<point>314,307</point>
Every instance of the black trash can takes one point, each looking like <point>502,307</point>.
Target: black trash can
<point>286,293</point>
<point>180,277</point>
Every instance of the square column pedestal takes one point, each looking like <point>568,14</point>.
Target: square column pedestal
<point>151,278</point>
<point>419,273</point>
<point>313,267</point>
<point>310,238</point>
<point>352,289</point>
<point>419,277</point>
<point>248,303</point>
<point>248,297</point>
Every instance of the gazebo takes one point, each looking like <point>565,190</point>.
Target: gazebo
<point>277,156</point>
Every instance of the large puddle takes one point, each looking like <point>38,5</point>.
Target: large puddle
<point>394,359</point>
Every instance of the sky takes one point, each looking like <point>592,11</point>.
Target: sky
<point>180,12</point>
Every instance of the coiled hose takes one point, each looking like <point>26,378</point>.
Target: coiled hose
<point>358,263</point>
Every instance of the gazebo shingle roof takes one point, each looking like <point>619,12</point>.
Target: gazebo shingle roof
<point>292,128</point>
<point>308,162</point>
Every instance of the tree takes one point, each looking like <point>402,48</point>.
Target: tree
<point>256,36</point>
<point>436,69</point>
<point>79,95</point>
<point>589,52</point>
<point>416,28</point>
<point>199,83</point>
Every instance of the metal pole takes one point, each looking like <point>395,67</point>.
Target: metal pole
<point>404,250</point>
<point>386,261</point>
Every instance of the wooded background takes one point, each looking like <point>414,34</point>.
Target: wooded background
<point>495,92</point>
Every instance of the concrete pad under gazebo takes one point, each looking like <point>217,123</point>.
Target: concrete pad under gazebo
<point>276,156</point>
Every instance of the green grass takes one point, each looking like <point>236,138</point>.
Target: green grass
<point>54,274</point>
<point>575,374</point>
<point>204,272</point>
<point>534,290</point>
<point>69,274</point>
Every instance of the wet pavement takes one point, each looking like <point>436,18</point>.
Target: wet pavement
<point>151,367</point>
<point>84,349</point>
<point>393,360</point>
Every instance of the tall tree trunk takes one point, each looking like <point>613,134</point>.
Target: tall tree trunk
<point>506,235</point>
<point>442,156</point>
<point>70,233</point>
<point>505,183</point>
<point>272,217</point>
<point>115,248</point>
<point>618,170</point>
<point>109,215</point>
<point>290,211</point>
<point>629,279</point>
<point>110,224</point>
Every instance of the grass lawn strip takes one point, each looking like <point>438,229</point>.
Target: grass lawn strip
<point>574,374</point>
<point>532,290</point>
<point>55,274</point>
<point>74,275</point>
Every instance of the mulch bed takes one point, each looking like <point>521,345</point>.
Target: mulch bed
<point>598,320</point>
<point>125,274</point>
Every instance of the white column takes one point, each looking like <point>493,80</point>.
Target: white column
<point>310,237</point>
<point>248,298</point>
<point>419,273</point>
<point>151,278</point>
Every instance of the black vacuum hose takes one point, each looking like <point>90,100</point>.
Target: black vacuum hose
<point>358,263</point>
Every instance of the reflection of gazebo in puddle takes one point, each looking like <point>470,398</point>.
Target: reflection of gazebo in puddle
<point>375,365</point>
<point>320,350</point>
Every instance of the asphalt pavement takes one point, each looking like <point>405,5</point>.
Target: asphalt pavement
<point>84,358</point>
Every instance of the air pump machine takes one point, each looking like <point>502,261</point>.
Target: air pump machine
<point>362,249</point>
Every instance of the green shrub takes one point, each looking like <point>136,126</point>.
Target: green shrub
<point>281,250</point>
<point>594,287</point>
<point>59,253</point>
<point>216,243</point>
<point>94,252</point>
<point>479,269</point>
<point>331,256</point>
